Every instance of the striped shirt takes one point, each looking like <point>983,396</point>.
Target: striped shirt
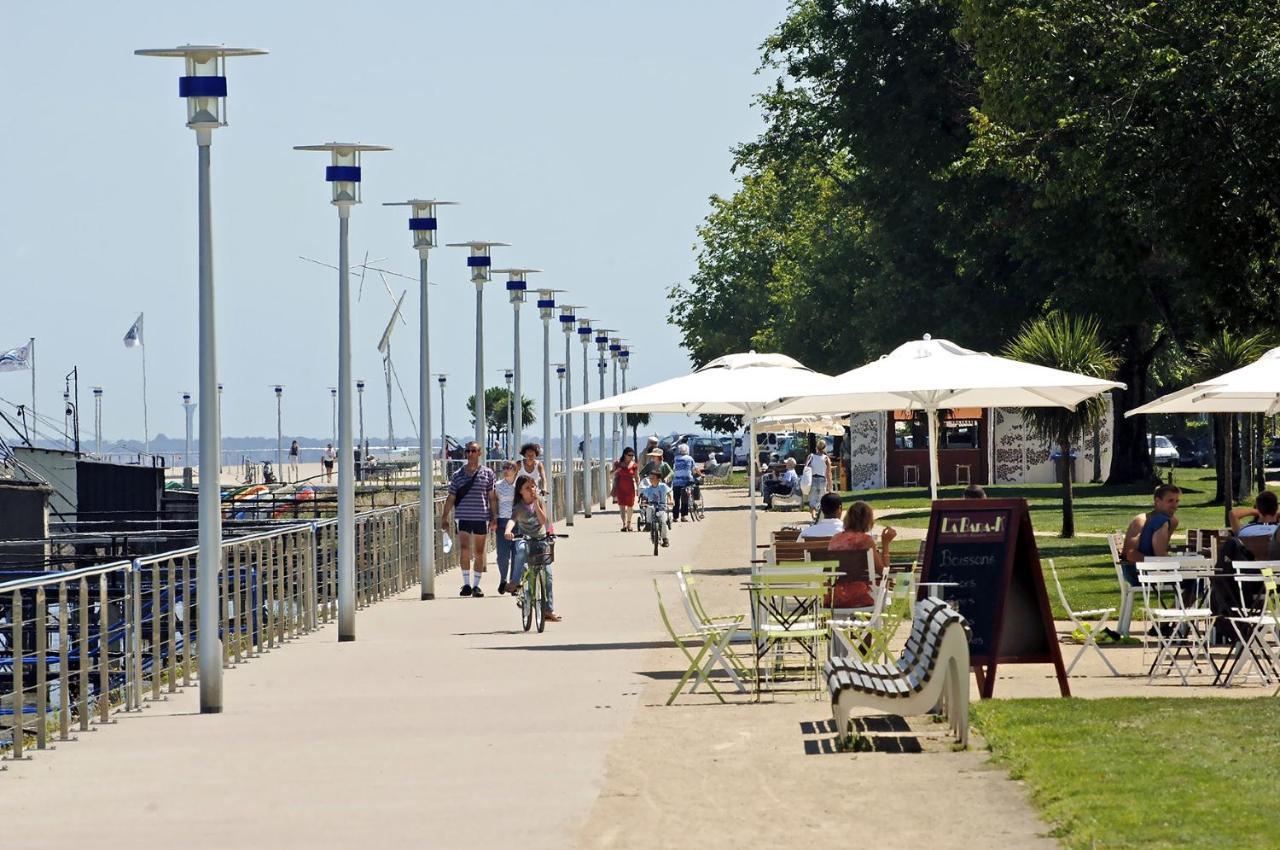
<point>475,504</point>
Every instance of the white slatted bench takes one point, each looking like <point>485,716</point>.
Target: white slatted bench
<point>933,669</point>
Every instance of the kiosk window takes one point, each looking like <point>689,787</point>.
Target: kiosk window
<point>960,435</point>
<point>910,434</point>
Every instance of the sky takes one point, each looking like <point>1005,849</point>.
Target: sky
<point>588,135</point>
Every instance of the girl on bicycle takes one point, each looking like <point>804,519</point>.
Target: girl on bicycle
<point>530,518</point>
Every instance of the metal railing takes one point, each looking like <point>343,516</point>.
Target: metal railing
<point>79,645</point>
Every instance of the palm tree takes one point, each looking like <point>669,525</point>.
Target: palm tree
<point>1073,344</point>
<point>1224,352</point>
<point>496,400</point>
<point>634,421</point>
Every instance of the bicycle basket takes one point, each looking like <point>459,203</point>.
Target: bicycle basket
<point>541,551</point>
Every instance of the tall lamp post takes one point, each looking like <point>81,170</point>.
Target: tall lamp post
<point>187,409</point>
<point>568,322</point>
<point>615,348</point>
<point>97,421</point>
<point>584,335</point>
<point>219,417</point>
<point>507,375</point>
<point>602,346</point>
<point>444,435</point>
<point>333,414</point>
<point>517,291</point>
<point>546,310</point>
<point>361,444</point>
<point>624,360</point>
<point>422,224</point>
<point>481,265</point>
<point>279,434</point>
<point>564,441</point>
<point>344,174</point>
<point>204,85</point>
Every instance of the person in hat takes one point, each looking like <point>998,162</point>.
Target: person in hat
<point>654,461</point>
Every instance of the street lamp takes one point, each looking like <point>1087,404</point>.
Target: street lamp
<point>219,417</point>
<point>564,441</point>
<point>480,264</point>
<point>67,412</point>
<point>344,175</point>
<point>584,335</point>
<point>615,348</point>
<point>507,375</point>
<point>360,445</point>
<point>97,421</point>
<point>546,310</point>
<point>333,414</point>
<point>517,289</point>
<point>624,360</point>
<point>422,224</point>
<point>279,435</point>
<point>602,346</point>
<point>444,435</point>
<point>188,409</point>
<point>204,86</point>
<point>567,324</point>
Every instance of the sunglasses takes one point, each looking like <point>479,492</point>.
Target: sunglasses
<point>473,451</point>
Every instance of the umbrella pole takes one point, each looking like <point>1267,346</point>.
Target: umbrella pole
<point>751,488</point>
<point>932,413</point>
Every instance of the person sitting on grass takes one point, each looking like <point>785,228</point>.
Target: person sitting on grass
<point>831,523</point>
<point>1149,534</point>
<point>658,496</point>
<point>1263,513</point>
<point>785,485</point>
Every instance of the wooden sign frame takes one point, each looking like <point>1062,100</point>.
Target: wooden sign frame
<point>1008,605</point>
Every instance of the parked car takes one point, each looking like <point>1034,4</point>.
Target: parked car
<point>1272,456</point>
<point>701,447</point>
<point>733,449</point>
<point>1163,451</point>
<point>1188,453</point>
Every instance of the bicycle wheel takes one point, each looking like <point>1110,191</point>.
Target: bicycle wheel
<point>526,600</point>
<point>540,600</point>
<point>653,535</point>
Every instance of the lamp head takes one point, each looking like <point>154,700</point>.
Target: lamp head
<point>186,399</point>
<point>204,85</point>
<point>567,317</point>
<point>422,220</point>
<point>584,331</point>
<point>344,169</point>
<point>560,371</point>
<point>547,302</point>
<point>97,392</point>
<point>360,386</point>
<point>602,339</point>
<point>279,391</point>
<point>479,260</point>
<point>517,283</point>
<point>441,380</point>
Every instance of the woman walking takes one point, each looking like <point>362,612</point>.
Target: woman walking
<point>681,481</point>
<point>819,467</point>
<point>293,461</point>
<point>506,490</point>
<point>529,518</point>
<point>624,485</point>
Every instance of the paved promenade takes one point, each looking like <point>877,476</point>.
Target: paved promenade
<point>444,725</point>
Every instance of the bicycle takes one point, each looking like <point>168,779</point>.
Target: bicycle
<point>540,553</point>
<point>654,534</point>
<point>696,507</point>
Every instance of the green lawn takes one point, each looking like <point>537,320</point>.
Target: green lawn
<point>1149,773</point>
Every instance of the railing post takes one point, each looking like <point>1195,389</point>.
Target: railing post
<point>15,644</point>
<point>188,614</point>
<point>42,672</point>
<point>135,631</point>
<point>64,671</point>
<point>104,653</point>
<point>83,605</point>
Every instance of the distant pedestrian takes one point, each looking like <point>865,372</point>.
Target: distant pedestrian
<point>625,485</point>
<point>472,491</point>
<point>682,481</point>
<point>818,465</point>
<point>293,461</point>
<point>327,461</point>
<point>506,489</point>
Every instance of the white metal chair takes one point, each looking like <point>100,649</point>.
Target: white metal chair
<point>1257,628</point>
<point>1089,623</point>
<point>1176,627</point>
<point>1128,593</point>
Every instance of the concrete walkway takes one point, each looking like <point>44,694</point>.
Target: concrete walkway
<point>445,725</point>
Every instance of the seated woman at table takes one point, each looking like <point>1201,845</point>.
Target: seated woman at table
<point>1265,514</point>
<point>854,590</point>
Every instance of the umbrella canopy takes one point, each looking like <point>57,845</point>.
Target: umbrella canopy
<point>737,384</point>
<point>1250,389</point>
<point>930,374</point>
<point>828,425</point>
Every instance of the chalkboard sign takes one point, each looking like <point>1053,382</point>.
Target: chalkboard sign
<point>986,551</point>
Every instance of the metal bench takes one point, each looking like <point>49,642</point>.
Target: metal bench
<point>932,670</point>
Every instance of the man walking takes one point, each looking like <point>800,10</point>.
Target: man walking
<point>472,490</point>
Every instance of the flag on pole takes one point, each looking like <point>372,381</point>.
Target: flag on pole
<point>16,359</point>
<point>133,338</point>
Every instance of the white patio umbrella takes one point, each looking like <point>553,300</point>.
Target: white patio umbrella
<point>828,425</point>
<point>736,384</point>
<point>1250,389</point>
<point>932,374</point>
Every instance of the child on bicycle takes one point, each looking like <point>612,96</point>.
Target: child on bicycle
<point>529,517</point>
<point>657,494</point>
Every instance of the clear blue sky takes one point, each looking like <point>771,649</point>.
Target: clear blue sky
<point>588,135</point>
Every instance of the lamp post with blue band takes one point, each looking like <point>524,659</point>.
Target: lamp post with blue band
<point>480,264</point>
<point>507,375</point>
<point>584,336</point>
<point>615,348</point>
<point>564,441</point>
<point>442,378</point>
<point>546,310</point>
<point>624,360</point>
<point>517,291</point>
<point>602,477</point>
<point>568,322</point>
<point>204,85</point>
<point>422,224</point>
<point>344,175</point>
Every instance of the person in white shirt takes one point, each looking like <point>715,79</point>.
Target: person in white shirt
<point>831,522</point>
<point>1265,514</point>
<point>819,466</point>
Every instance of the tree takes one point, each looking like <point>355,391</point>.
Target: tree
<point>1073,344</point>
<point>1225,352</point>
<point>634,421</point>
<point>496,400</point>
<point>720,423</point>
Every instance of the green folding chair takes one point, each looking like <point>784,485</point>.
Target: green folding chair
<point>714,639</point>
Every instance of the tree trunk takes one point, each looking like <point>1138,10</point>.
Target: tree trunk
<point>1218,455</point>
<point>1228,479</point>
<point>1259,466</point>
<point>1068,495</point>
<point>1130,455</point>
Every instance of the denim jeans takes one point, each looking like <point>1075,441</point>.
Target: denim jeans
<point>520,557</point>
<point>505,548</point>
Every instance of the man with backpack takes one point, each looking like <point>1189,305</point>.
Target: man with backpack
<point>472,490</point>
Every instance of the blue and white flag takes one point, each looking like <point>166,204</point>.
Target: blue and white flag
<point>133,338</point>
<point>16,359</point>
